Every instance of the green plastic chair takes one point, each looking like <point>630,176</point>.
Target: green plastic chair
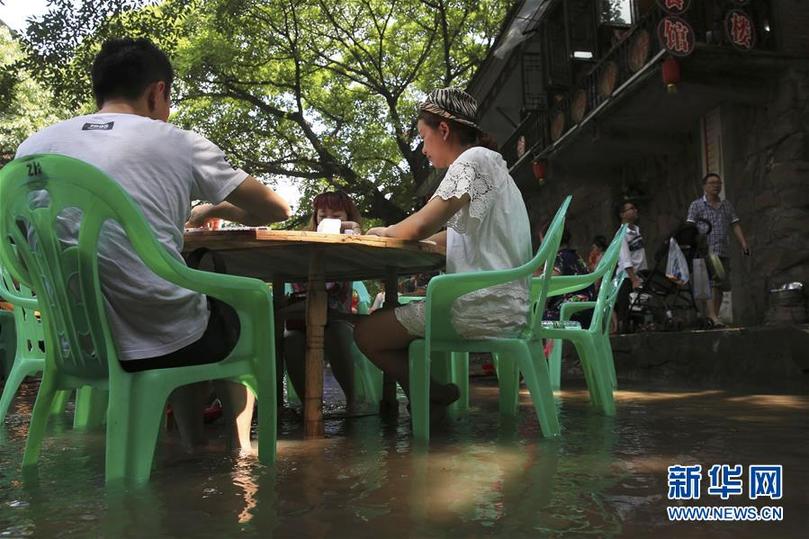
<point>523,352</point>
<point>592,344</point>
<point>29,359</point>
<point>573,307</point>
<point>79,347</point>
<point>367,377</point>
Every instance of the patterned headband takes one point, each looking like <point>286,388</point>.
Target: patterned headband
<point>452,104</point>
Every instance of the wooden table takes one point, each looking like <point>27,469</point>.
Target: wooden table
<point>280,256</point>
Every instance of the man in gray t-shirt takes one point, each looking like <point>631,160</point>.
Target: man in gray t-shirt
<point>163,168</point>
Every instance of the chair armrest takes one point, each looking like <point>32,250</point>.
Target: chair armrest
<point>572,307</point>
<point>565,284</point>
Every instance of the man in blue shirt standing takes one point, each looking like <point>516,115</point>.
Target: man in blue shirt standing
<point>722,216</point>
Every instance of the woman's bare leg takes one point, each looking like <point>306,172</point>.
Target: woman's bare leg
<point>384,341</point>
<point>339,338</point>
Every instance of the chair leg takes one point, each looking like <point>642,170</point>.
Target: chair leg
<point>39,419</point>
<point>419,391</point>
<point>600,377</point>
<point>508,379</point>
<point>610,361</point>
<point>555,364</point>
<point>118,428</point>
<point>587,367</point>
<point>91,408</point>
<point>60,401</point>
<point>146,410</point>
<point>15,378</point>
<point>267,420</point>
<point>537,377</point>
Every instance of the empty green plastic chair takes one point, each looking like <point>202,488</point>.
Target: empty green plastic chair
<point>571,308</point>
<point>592,343</point>
<point>523,352</point>
<point>79,347</point>
<point>28,358</point>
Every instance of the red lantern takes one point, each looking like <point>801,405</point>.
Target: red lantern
<point>671,74</point>
<point>538,168</point>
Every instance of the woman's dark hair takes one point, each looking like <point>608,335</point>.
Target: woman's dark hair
<point>467,135</point>
<point>600,242</point>
<point>125,67</point>
<point>334,200</point>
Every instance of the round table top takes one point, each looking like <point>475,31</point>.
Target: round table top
<point>283,254</point>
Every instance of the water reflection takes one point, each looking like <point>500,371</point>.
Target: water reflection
<point>486,476</point>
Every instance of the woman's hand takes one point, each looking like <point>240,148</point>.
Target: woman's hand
<point>199,214</point>
<point>377,231</point>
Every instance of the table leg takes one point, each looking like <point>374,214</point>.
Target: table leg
<point>389,406</point>
<point>316,312</point>
<point>279,301</point>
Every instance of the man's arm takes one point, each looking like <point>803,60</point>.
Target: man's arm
<point>425,222</point>
<point>737,230</point>
<point>251,203</point>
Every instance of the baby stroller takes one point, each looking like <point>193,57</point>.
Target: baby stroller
<point>663,303</point>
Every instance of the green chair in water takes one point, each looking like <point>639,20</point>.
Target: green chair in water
<point>367,378</point>
<point>592,343</point>
<point>521,353</point>
<point>29,358</point>
<point>79,347</point>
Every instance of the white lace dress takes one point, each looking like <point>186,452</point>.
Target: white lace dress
<point>492,232</point>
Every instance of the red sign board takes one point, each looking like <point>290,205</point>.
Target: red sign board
<point>674,7</point>
<point>676,35</point>
<point>740,30</point>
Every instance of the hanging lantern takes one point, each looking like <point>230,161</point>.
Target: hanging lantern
<point>671,74</point>
<point>538,168</point>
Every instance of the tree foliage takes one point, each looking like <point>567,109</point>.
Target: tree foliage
<point>25,106</point>
<point>319,91</point>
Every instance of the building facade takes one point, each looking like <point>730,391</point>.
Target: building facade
<point>635,100</point>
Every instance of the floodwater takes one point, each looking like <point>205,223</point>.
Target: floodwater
<point>482,477</point>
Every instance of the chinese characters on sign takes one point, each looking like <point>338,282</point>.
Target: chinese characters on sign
<point>676,35</point>
<point>675,7</point>
<point>724,480</point>
<point>740,29</point>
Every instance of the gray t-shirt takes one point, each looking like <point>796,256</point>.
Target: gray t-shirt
<point>163,168</point>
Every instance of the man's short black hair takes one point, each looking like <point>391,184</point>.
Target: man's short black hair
<point>710,175</point>
<point>126,66</point>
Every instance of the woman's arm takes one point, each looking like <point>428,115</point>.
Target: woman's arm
<point>425,222</point>
<point>439,238</point>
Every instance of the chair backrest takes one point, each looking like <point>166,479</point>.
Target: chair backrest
<point>34,191</point>
<point>444,289</point>
<point>546,257</point>
<point>610,283</point>
<point>28,325</point>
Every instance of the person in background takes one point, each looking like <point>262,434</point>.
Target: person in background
<point>597,248</point>
<point>632,260</point>
<point>722,216</point>
<point>339,330</point>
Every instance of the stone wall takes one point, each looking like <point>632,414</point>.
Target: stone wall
<point>767,157</point>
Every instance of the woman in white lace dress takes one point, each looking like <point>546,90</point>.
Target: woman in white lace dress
<point>487,229</point>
